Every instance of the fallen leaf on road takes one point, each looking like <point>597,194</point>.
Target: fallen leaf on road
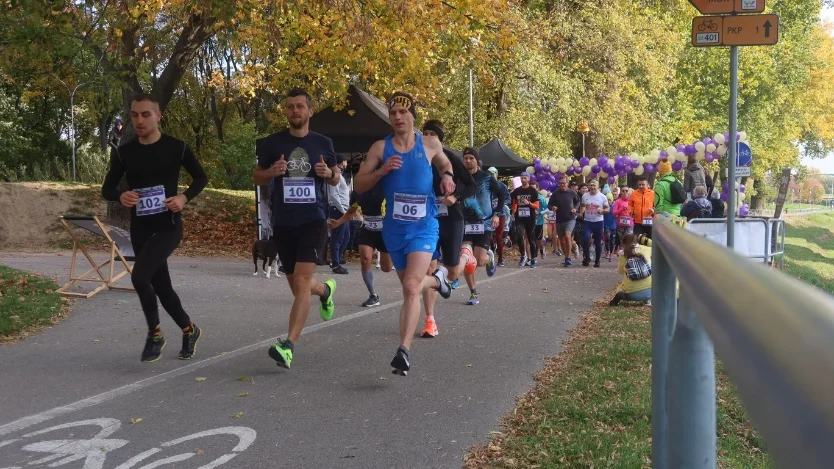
<point>242,394</point>
<point>382,378</point>
<point>134,421</point>
<point>201,378</point>
<point>469,365</point>
<point>243,378</point>
<point>239,415</point>
<point>198,451</point>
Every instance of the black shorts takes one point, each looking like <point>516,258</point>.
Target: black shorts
<point>538,232</point>
<point>527,224</point>
<point>479,240</point>
<point>372,239</point>
<point>301,243</point>
<point>450,240</point>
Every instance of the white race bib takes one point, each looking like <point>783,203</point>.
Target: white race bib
<point>648,220</point>
<point>442,209</point>
<point>373,223</point>
<point>299,190</point>
<point>524,211</point>
<point>409,207</point>
<point>625,221</point>
<point>494,204</point>
<point>151,201</point>
<point>474,228</point>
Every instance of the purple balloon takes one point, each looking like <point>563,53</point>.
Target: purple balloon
<point>726,137</point>
<point>690,150</point>
<point>546,168</point>
<point>533,178</point>
<point>648,167</point>
<point>634,163</point>
<point>664,154</point>
<point>537,160</point>
<point>744,210</point>
<point>623,173</point>
<point>602,161</point>
<point>707,141</point>
<point>537,166</point>
<point>583,162</point>
<point>724,196</point>
<point>608,168</point>
<point>725,187</point>
<point>709,157</point>
<point>680,147</point>
<point>569,171</point>
<point>595,168</point>
<point>677,165</point>
<point>612,180</point>
<point>618,166</point>
<point>742,188</point>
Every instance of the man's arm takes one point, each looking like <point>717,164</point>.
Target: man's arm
<point>495,188</point>
<point>343,219</point>
<point>442,163</point>
<point>370,171</point>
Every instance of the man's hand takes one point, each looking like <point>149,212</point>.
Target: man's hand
<point>391,164</point>
<point>176,203</point>
<point>447,185</point>
<point>449,200</point>
<point>322,170</point>
<point>333,224</point>
<point>495,221</point>
<point>651,210</point>
<point>129,199</point>
<point>524,201</point>
<point>573,211</point>
<point>278,169</point>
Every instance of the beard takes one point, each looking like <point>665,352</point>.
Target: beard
<point>300,123</point>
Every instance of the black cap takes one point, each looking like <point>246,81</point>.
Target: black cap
<point>472,151</point>
<point>340,158</point>
<point>435,126</point>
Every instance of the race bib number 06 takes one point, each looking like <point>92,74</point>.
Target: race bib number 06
<point>151,201</point>
<point>474,228</point>
<point>373,223</point>
<point>299,191</point>
<point>409,208</point>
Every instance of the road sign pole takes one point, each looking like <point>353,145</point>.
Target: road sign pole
<point>733,147</point>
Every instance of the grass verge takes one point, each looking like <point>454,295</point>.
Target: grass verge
<point>27,303</point>
<point>809,249</point>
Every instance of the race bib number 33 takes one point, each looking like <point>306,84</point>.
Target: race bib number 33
<point>151,201</point>
<point>299,191</point>
<point>474,228</point>
<point>409,208</point>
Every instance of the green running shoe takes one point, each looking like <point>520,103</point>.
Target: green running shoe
<point>281,353</point>
<point>327,307</point>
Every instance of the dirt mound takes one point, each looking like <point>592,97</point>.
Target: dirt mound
<point>29,212</point>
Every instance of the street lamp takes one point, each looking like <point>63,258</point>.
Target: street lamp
<point>72,116</point>
<point>583,129</point>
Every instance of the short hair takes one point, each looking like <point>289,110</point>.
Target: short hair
<point>572,183</point>
<point>139,97</point>
<point>699,191</point>
<point>593,182</point>
<point>583,185</point>
<point>295,92</point>
<point>642,178</point>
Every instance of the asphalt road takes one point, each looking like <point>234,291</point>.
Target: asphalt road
<point>73,395</point>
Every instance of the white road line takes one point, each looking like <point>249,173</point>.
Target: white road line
<point>26,422</point>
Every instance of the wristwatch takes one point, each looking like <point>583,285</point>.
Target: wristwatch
<point>451,175</point>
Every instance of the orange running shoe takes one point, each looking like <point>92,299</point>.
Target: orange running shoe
<point>431,328</point>
<point>472,264</point>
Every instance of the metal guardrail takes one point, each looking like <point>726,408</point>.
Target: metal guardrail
<point>774,334</point>
<point>790,212</point>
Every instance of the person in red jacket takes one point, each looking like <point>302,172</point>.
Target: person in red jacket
<point>525,203</point>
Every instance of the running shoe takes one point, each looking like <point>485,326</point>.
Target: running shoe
<point>570,261</point>
<point>431,328</point>
<point>377,265</point>
<point>340,270</point>
<point>491,267</point>
<point>527,264</point>
<point>372,300</point>
<point>522,261</point>
<point>443,287</point>
<point>555,253</point>
<point>648,303</point>
<point>454,284</point>
<point>544,254</point>
<point>586,262</point>
<point>473,299</point>
<point>281,269</point>
<point>326,308</point>
<point>400,363</point>
<point>534,264</point>
<point>500,262</point>
<point>281,353</point>
<point>566,263</point>
<point>153,348</point>
<point>472,263</point>
<point>189,343</point>
<point>596,264</point>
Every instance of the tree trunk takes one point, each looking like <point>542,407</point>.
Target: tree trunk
<point>757,201</point>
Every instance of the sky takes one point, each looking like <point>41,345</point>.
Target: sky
<point>826,165</point>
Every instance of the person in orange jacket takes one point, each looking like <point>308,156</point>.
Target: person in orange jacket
<point>641,207</point>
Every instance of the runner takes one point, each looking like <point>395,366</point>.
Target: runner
<point>482,217</point>
<point>540,214</point>
<point>369,238</point>
<point>450,222</point>
<point>610,224</point>
<point>578,234</point>
<point>410,229</point>
<point>594,206</point>
<point>564,202</point>
<point>151,163</point>
<point>641,207</point>
<point>525,202</point>
<point>552,235</point>
<point>300,162</point>
<point>498,234</point>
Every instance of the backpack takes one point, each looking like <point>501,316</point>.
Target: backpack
<point>702,213</point>
<point>676,193</point>
<point>638,268</point>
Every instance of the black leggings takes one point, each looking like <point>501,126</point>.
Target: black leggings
<point>150,275</point>
<point>528,226</point>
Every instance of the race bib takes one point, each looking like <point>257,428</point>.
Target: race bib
<point>524,211</point>
<point>474,228</point>
<point>648,220</point>
<point>494,204</point>
<point>299,190</point>
<point>442,209</point>
<point>151,201</point>
<point>409,207</point>
<point>373,223</point>
<point>625,221</point>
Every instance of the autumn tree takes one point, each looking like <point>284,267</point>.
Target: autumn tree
<point>812,190</point>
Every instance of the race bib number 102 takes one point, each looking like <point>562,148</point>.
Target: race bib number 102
<point>151,201</point>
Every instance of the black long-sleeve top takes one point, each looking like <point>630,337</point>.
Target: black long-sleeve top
<point>464,186</point>
<point>155,164</point>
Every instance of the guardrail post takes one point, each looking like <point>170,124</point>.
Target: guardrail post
<point>663,320</point>
<point>691,393</point>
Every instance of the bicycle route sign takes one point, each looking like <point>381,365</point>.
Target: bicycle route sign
<point>724,7</point>
<point>741,30</point>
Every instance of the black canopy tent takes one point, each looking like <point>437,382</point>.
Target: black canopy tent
<point>496,154</point>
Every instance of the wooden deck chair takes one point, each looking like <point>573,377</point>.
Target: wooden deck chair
<point>121,249</point>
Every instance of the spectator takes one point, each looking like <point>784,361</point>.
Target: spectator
<point>693,177</point>
<point>699,206</point>
<point>610,227</point>
<point>115,137</point>
<point>669,193</point>
<point>641,207</point>
<point>339,199</point>
<point>636,266</point>
<point>717,204</point>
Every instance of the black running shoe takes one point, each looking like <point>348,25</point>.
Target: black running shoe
<point>443,286</point>
<point>400,363</point>
<point>153,348</point>
<point>500,262</point>
<point>372,300</point>
<point>586,262</point>
<point>340,270</point>
<point>189,343</point>
<point>596,264</point>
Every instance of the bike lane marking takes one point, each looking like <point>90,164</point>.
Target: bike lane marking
<point>41,417</point>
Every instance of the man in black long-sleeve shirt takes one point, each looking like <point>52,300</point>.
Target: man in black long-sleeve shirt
<point>565,202</point>
<point>152,163</point>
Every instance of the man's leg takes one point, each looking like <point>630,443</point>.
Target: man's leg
<point>366,254</point>
<point>530,230</point>
<point>471,282</point>
<point>597,228</point>
<point>586,243</point>
<point>429,300</point>
<point>499,239</point>
<point>303,286</point>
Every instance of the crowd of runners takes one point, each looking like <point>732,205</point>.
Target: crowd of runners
<point>429,216</point>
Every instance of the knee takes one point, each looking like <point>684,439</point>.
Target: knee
<point>386,268</point>
<point>365,261</point>
<point>300,281</point>
<point>411,287</point>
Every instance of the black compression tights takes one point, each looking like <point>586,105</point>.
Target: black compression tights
<point>150,275</point>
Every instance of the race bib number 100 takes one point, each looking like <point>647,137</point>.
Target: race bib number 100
<point>409,207</point>
<point>151,201</point>
<point>299,191</point>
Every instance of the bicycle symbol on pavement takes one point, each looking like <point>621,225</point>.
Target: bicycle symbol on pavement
<point>95,450</point>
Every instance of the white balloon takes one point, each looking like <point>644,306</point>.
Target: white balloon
<point>563,168</point>
<point>633,155</point>
<point>654,153</point>
<point>593,162</point>
<point>741,196</point>
<point>586,170</point>
<point>742,136</point>
<point>639,170</point>
<point>719,138</point>
<point>560,161</point>
<point>671,150</point>
<point>576,163</point>
<point>700,147</point>
<point>671,158</point>
<point>681,156</point>
<point>721,150</point>
<point>641,159</point>
<point>700,155</point>
<point>603,174</point>
<point>710,148</point>
<point>530,170</point>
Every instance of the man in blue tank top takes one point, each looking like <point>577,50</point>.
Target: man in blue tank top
<point>402,164</point>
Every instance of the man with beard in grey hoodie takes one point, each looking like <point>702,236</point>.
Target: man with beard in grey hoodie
<point>699,206</point>
<point>693,176</point>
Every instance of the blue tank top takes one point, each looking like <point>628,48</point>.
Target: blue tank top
<point>409,195</point>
